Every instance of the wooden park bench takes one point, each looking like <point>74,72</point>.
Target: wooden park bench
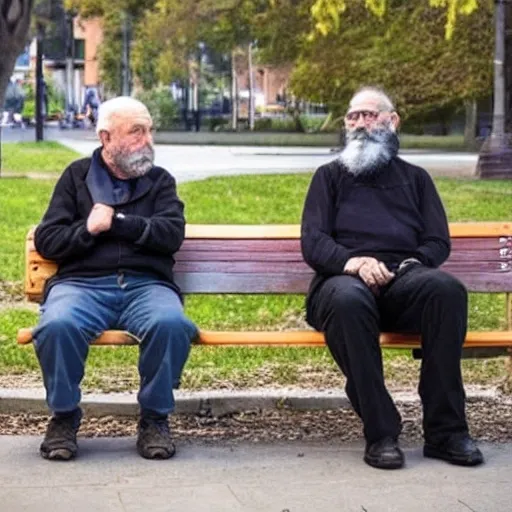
<point>216,259</point>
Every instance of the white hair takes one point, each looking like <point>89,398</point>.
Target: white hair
<point>120,106</point>
<point>385,103</point>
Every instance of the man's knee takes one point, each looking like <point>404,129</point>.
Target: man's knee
<point>447,288</point>
<point>55,329</point>
<point>173,322</point>
<point>351,297</point>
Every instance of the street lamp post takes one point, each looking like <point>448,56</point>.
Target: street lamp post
<point>495,159</point>
<point>40,85</point>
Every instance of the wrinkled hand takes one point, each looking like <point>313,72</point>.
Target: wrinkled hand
<point>375,274</point>
<point>354,264</point>
<point>100,219</point>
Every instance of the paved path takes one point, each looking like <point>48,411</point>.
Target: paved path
<point>189,163</point>
<point>294,477</point>
<point>195,162</point>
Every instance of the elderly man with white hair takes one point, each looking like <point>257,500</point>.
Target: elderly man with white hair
<point>113,225</point>
<point>375,231</point>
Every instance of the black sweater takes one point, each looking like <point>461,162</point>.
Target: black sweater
<point>143,242</point>
<point>395,215</point>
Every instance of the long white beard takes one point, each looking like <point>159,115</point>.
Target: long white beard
<point>366,153</point>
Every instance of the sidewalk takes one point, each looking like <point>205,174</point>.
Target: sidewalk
<point>280,477</point>
<point>188,163</point>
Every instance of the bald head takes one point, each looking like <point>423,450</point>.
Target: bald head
<point>374,96</point>
<point>121,110</point>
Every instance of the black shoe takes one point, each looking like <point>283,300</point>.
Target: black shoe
<point>384,454</point>
<point>60,439</point>
<point>154,438</point>
<point>458,449</point>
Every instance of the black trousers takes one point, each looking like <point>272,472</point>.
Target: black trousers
<point>419,300</point>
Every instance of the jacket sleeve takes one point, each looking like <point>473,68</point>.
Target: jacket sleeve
<point>319,249</point>
<point>434,246</point>
<point>61,234</point>
<point>164,231</point>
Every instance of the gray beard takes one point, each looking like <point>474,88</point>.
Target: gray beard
<point>368,152</point>
<point>136,164</point>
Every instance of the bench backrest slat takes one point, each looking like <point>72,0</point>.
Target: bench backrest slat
<point>275,265</point>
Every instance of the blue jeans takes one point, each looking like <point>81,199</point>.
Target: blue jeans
<point>77,310</point>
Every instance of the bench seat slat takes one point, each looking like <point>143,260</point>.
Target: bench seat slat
<point>267,245</point>
<point>218,283</point>
<point>293,338</point>
<point>243,267</point>
<point>227,255</point>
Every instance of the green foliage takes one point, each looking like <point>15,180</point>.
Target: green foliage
<point>328,14</point>
<point>310,124</point>
<point>56,100</point>
<point>110,51</point>
<point>162,107</point>
<point>112,14</point>
<point>420,67</point>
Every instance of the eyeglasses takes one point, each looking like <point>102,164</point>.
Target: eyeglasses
<point>368,115</point>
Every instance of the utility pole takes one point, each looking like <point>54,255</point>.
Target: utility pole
<point>251,87</point>
<point>125,70</point>
<point>234,93</point>
<point>495,159</point>
<point>40,86</point>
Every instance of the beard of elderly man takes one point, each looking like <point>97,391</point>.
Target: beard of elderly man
<point>375,232</point>
<point>114,223</point>
<point>368,151</point>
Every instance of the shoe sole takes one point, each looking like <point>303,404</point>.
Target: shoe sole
<point>157,453</point>
<point>433,453</point>
<point>58,454</point>
<point>383,465</point>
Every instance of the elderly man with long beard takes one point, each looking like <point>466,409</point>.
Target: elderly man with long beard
<point>113,225</point>
<point>375,231</point>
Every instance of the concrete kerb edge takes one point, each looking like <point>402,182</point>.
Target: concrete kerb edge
<point>215,403</point>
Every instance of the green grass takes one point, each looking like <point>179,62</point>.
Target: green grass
<point>23,204</point>
<point>434,142</point>
<point>243,200</point>
<point>36,157</point>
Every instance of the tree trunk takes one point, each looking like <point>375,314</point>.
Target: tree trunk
<point>251,88</point>
<point>470,124</point>
<point>234,94</point>
<point>14,25</point>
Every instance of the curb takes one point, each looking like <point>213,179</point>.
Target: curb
<point>215,403</point>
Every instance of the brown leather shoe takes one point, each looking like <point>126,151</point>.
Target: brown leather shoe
<point>384,454</point>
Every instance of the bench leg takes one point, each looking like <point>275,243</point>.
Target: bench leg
<point>508,379</point>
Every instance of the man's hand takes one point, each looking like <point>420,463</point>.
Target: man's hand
<point>100,219</point>
<point>375,274</point>
<point>354,264</point>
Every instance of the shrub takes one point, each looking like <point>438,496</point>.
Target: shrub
<point>161,106</point>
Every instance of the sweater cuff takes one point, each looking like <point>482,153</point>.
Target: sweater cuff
<point>85,239</point>
<point>129,227</point>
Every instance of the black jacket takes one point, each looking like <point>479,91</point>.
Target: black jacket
<point>395,215</point>
<point>143,242</point>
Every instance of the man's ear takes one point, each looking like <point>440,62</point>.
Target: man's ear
<point>104,137</point>
<point>395,120</point>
